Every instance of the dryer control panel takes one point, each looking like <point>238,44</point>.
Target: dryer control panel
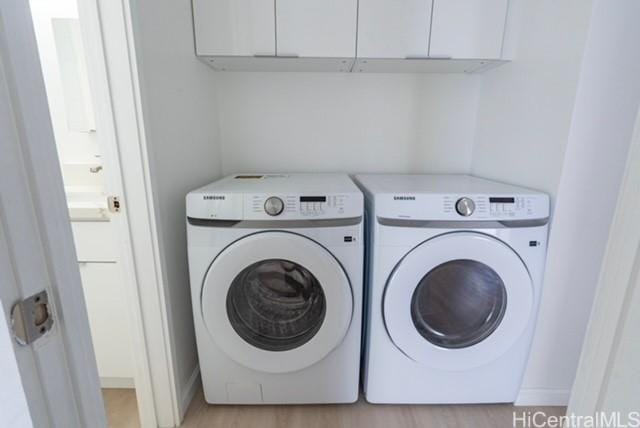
<point>463,207</point>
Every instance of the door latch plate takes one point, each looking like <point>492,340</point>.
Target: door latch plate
<point>114,204</point>
<point>31,318</point>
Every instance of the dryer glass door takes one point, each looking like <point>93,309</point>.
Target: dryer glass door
<point>276,301</point>
<point>458,300</point>
<point>458,303</point>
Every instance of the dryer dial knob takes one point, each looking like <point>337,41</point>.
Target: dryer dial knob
<point>465,206</point>
<point>273,206</point>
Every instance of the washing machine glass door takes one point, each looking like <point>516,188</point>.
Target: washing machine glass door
<point>458,301</point>
<point>276,301</point>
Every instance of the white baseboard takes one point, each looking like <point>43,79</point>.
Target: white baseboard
<point>543,397</point>
<point>189,391</point>
<point>117,382</point>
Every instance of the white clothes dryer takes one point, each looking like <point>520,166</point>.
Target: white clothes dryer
<point>455,270</point>
<point>276,265</point>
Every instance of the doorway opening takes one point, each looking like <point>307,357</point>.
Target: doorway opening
<point>92,198</point>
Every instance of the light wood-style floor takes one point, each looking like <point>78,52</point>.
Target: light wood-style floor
<point>121,407</point>
<point>122,412</point>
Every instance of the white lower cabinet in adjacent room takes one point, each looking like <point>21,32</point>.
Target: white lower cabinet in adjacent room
<point>107,308</point>
<point>95,241</point>
<point>105,297</point>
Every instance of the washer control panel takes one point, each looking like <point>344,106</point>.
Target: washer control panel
<point>276,198</point>
<point>274,206</point>
<point>509,206</point>
<point>301,206</point>
<point>465,206</point>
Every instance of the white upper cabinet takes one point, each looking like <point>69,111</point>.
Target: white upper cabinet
<point>235,27</point>
<point>316,28</point>
<point>351,35</point>
<point>468,28</point>
<point>394,28</point>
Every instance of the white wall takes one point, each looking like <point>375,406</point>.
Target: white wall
<point>346,122</point>
<point>540,124</point>
<point>605,109</point>
<point>178,99</point>
<point>525,106</point>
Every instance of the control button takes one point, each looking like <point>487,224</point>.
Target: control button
<point>273,206</point>
<point>465,206</point>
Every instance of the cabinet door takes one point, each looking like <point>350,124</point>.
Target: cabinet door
<point>468,28</point>
<point>234,27</point>
<point>105,297</point>
<point>316,28</point>
<point>95,241</point>
<point>393,28</point>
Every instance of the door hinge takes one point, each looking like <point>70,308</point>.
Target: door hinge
<point>114,204</point>
<point>31,318</point>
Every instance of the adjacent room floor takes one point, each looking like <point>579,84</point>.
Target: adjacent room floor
<point>122,408</point>
<point>122,412</point>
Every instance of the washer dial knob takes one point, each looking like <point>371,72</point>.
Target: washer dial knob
<point>273,206</point>
<point>465,206</point>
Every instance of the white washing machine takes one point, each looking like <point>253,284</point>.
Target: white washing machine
<point>276,263</point>
<point>455,270</point>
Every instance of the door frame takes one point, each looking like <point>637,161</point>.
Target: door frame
<point>107,31</point>
<point>619,278</point>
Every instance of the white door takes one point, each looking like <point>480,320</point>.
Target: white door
<point>58,369</point>
<point>316,28</point>
<point>276,301</point>
<point>458,301</point>
<point>13,401</point>
<point>393,29</point>
<point>468,28</point>
<point>235,27</point>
